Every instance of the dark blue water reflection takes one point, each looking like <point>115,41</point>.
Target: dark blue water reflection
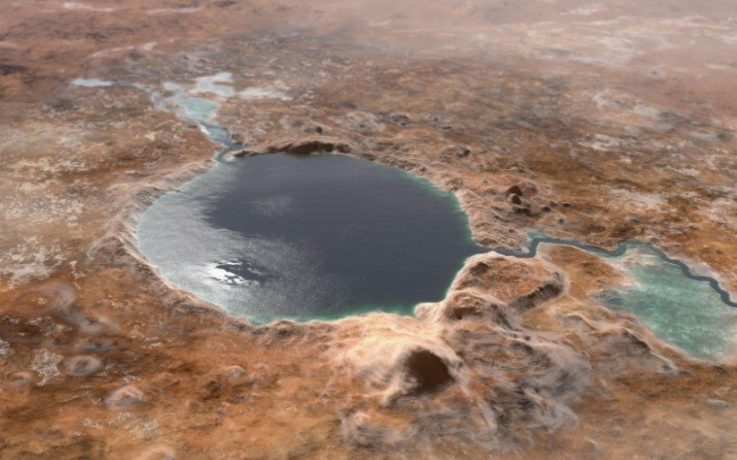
<point>322,236</point>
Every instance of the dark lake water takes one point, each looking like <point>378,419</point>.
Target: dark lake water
<point>303,237</point>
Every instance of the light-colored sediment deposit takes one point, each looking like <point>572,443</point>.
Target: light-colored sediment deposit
<point>599,122</point>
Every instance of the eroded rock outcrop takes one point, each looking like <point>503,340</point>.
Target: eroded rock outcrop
<point>405,366</point>
<point>302,146</point>
<point>570,105</point>
<point>477,346</point>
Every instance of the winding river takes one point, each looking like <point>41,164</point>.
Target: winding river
<point>620,250</point>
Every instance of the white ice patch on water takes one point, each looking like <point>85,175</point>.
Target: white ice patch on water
<point>222,275</point>
<point>161,241</point>
<point>92,83</point>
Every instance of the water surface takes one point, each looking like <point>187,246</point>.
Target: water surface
<point>323,236</point>
<point>690,311</point>
<point>686,312</point>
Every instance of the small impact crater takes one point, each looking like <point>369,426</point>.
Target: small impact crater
<point>429,373</point>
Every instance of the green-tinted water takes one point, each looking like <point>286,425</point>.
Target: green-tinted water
<point>691,311</point>
<point>685,312</point>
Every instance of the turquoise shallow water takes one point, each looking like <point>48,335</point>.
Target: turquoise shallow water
<point>685,312</point>
<point>690,311</point>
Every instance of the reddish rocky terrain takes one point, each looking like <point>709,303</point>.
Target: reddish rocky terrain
<point>600,122</point>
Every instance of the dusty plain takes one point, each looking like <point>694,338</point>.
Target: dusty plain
<point>602,122</point>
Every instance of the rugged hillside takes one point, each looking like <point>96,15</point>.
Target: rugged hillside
<point>601,123</point>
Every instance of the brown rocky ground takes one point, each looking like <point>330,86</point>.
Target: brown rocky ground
<point>608,121</point>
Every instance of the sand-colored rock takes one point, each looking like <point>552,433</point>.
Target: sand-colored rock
<point>601,122</point>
